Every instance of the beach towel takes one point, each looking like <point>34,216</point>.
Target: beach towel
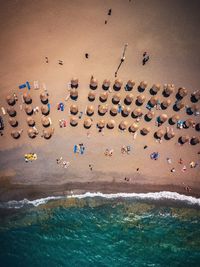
<point>75,148</point>
<point>28,85</point>
<point>22,86</point>
<point>48,105</point>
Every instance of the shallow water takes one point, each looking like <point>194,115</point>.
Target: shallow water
<point>101,232</point>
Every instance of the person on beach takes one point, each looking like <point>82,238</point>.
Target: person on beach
<point>109,12</point>
<point>46,60</point>
<point>60,62</point>
<point>86,55</point>
<point>91,167</point>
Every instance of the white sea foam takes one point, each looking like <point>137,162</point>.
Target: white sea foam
<point>164,195</point>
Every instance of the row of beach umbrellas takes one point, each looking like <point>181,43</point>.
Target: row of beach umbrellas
<point>27,99</point>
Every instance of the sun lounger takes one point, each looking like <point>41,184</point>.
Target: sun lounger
<point>36,85</point>
<point>75,148</point>
<point>28,85</point>
<point>67,97</point>
<point>3,110</point>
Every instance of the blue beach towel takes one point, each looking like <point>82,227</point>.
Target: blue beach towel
<point>22,86</point>
<point>28,85</point>
<point>75,148</point>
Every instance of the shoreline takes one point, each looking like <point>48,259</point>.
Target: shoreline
<point>32,192</point>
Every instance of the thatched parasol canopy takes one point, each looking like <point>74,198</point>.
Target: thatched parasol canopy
<point>118,84</point>
<point>133,127</point>
<point>170,134</point>
<point>110,124</point>
<point>31,133</point>
<point>137,112</point>
<point>141,99</point>
<point>168,90</point>
<point>93,83</point>
<point>45,121</point>
<point>11,112</point>
<point>13,122</point>
<point>163,118</point>
<point>44,98</point>
<point>123,125</point>
<point>130,84</point>
<point>194,140</point>
<point>102,109</point>
<point>47,133</point>
<point>189,123</point>
<point>30,121</point>
<point>182,92</point>
<point>166,103</point>
<point>150,114</point>
<point>128,99</point>
<point>101,124</point>
<point>194,108</point>
<point>156,88</point>
<point>159,133</point>
<point>197,127</point>
<point>73,121</point>
<point>143,85</point>
<point>28,109</point>
<point>27,98</point>
<point>114,110</point>
<point>87,123</point>
<point>10,100</point>
<point>44,110</point>
<point>145,130</point>
<point>153,101</point>
<point>103,97</point>
<point>74,109</point>
<point>116,98</point>
<point>91,96</point>
<point>74,82</point>
<point>74,94</point>
<point>126,111</point>
<point>175,118</point>
<point>106,84</point>
<point>15,134</point>
<point>196,95</point>
<point>184,139</point>
<point>179,105</point>
<point>90,110</point>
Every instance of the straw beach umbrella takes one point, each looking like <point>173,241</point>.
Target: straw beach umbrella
<point>102,110</point>
<point>101,124</point>
<point>114,110</point>
<point>45,121</point>
<point>125,111</point>
<point>142,86</point>
<point>168,90</point>
<point>184,139</point>
<point>159,133</point>
<point>145,130</point>
<point>87,123</point>
<point>90,110</point>
<point>166,103</point>
<point>182,92</point>
<point>133,127</point>
<point>195,96</point>
<point>117,84</point>
<point>110,124</point>
<point>27,98</point>
<point>91,96</point>
<point>128,99</point>
<point>31,133</point>
<point>11,112</point>
<point>140,100</point>
<point>194,140</point>
<point>178,105</point>
<point>116,98</point>
<point>10,100</point>
<point>74,82</point>
<point>13,122</point>
<point>106,84</point>
<point>194,109</point>
<point>189,123</point>
<point>197,127</point>
<point>15,134</point>
<point>30,121</point>
<point>74,94</point>
<point>73,121</point>
<point>162,118</point>
<point>74,109</point>
<point>44,98</point>
<point>129,85</point>
<point>44,110</point>
<point>153,101</point>
<point>47,133</point>
<point>137,112</point>
<point>103,97</point>
<point>29,110</point>
<point>123,125</point>
<point>93,83</point>
<point>169,134</point>
<point>150,115</point>
<point>174,119</point>
<point>155,89</point>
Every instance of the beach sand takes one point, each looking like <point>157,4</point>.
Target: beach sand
<point>66,30</point>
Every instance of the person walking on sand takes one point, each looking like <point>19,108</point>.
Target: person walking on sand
<point>46,60</point>
<point>109,12</point>
<point>86,55</point>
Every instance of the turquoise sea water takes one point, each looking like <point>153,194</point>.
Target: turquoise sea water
<point>101,232</point>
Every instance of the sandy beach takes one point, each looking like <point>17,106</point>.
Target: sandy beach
<point>66,30</point>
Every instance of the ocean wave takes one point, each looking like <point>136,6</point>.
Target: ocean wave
<point>163,195</point>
